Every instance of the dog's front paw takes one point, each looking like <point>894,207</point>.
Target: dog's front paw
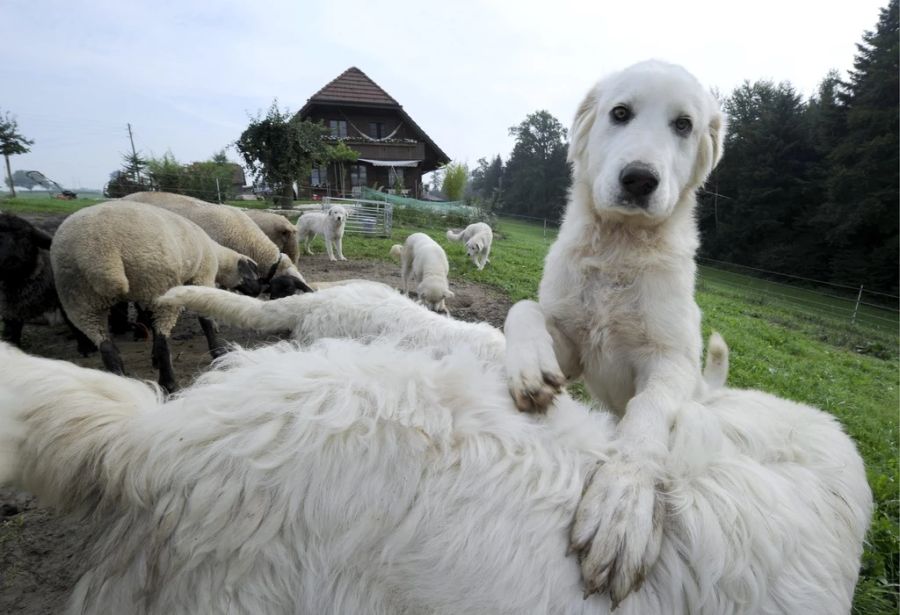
<point>618,528</point>
<point>342,258</point>
<point>534,375</point>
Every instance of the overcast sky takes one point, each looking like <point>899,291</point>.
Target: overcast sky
<point>187,75</point>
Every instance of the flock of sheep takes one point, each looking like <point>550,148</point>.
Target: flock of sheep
<point>108,255</point>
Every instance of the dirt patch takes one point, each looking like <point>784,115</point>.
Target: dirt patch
<point>41,553</point>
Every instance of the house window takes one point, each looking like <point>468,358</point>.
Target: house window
<point>357,175</point>
<point>376,130</point>
<point>338,128</point>
<point>395,177</point>
<point>318,177</point>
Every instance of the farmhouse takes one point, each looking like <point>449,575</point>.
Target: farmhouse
<point>394,152</point>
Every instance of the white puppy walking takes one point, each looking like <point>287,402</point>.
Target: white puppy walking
<point>616,301</point>
<point>329,225</point>
<point>478,238</point>
<point>424,263</point>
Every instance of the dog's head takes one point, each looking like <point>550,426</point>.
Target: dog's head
<point>644,139</point>
<point>474,246</point>
<point>434,298</point>
<point>337,214</point>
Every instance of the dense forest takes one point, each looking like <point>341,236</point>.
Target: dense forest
<point>806,187</point>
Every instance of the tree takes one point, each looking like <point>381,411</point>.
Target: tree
<point>487,179</point>
<point>859,219</point>
<point>279,150</point>
<point>338,155</point>
<point>537,175</point>
<point>11,144</point>
<point>455,176</point>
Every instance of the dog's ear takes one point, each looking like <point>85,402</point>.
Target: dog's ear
<point>712,144</point>
<point>581,127</point>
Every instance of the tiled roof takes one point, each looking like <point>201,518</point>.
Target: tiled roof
<point>353,85</point>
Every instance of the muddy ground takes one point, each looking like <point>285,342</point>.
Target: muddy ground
<point>41,553</point>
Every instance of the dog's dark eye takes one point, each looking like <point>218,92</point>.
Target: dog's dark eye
<point>620,114</point>
<point>683,126</point>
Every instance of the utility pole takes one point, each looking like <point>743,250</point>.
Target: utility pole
<point>133,152</point>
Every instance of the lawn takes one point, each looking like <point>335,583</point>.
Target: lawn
<point>785,341</point>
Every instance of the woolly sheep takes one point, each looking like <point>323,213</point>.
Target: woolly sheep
<point>27,289</point>
<point>279,229</point>
<point>424,263</point>
<point>329,225</point>
<point>478,238</point>
<point>231,228</point>
<point>351,478</point>
<point>123,251</point>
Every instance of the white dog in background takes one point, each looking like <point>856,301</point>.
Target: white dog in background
<point>329,225</point>
<point>423,263</point>
<point>616,301</point>
<point>478,238</point>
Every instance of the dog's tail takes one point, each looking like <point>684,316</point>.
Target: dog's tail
<point>454,236</point>
<point>64,429</point>
<point>715,371</point>
<point>239,310</point>
<point>397,250</point>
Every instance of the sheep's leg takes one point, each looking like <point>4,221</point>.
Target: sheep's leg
<point>211,331</point>
<point>143,324</point>
<point>12,331</point>
<point>164,319</point>
<point>112,359</point>
<point>162,359</point>
<point>83,343</point>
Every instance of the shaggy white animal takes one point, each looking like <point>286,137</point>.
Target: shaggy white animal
<point>478,238</point>
<point>423,263</point>
<point>279,229</point>
<point>354,309</point>
<point>329,225</point>
<point>123,251</point>
<point>354,478</point>
<point>616,300</point>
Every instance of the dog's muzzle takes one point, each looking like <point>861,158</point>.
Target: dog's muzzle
<point>638,181</point>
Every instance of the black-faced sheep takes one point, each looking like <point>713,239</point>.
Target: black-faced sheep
<point>279,229</point>
<point>231,228</point>
<point>121,251</point>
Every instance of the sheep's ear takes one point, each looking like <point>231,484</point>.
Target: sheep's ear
<point>41,239</point>
<point>581,127</point>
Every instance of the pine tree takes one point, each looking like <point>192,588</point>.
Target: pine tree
<point>859,221</point>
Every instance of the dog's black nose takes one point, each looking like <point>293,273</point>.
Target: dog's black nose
<point>638,180</point>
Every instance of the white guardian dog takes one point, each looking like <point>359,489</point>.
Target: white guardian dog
<point>423,263</point>
<point>329,225</point>
<point>477,238</point>
<point>616,301</point>
<point>351,478</point>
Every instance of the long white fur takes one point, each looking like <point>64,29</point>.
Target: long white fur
<point>330,225</point>
<point>352,478</point>
<point>616,303</point>
<point>359,310</point>
<point>423,263</point>
<point>477,238</point>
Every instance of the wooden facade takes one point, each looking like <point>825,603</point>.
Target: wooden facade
<point>394,152</point>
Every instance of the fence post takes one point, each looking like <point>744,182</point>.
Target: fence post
<point>218,192</point>
<point>856,307</point>
<point>545,229</point>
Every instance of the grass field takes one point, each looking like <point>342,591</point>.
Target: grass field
<point>787,342</point>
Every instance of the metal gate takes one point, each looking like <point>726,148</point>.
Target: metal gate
<point>364,217</point>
